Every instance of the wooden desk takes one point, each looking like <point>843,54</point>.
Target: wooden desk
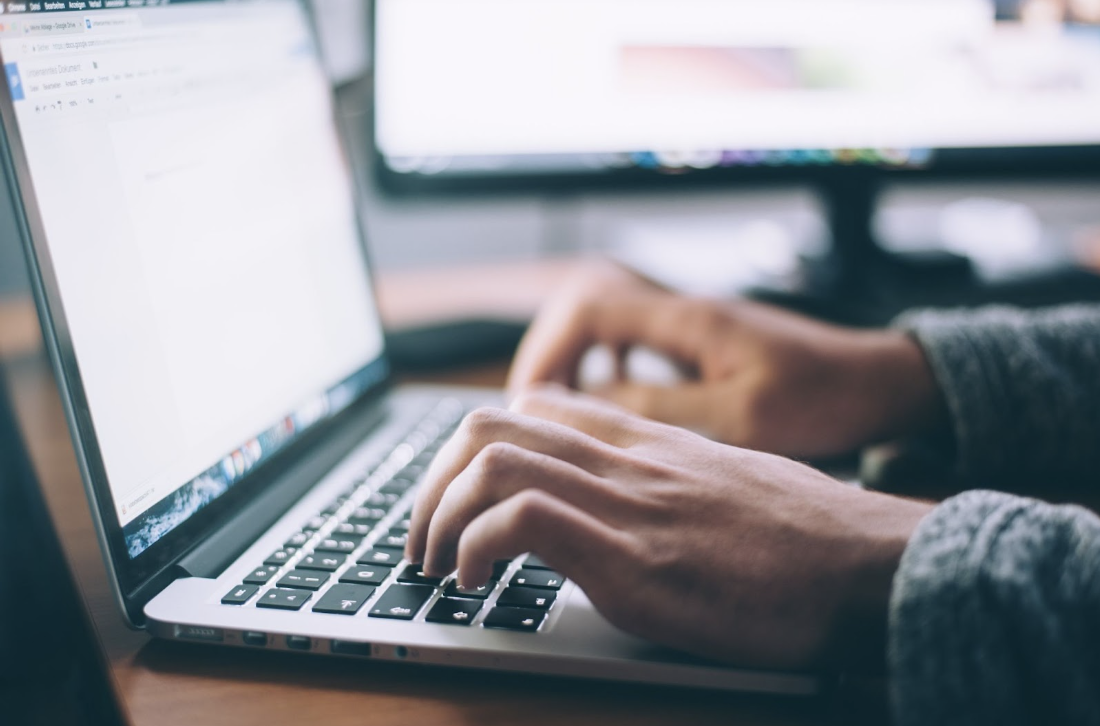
<point>166,683</point>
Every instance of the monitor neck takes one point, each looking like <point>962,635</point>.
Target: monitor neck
<point>848,204</point>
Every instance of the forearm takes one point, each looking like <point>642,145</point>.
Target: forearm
<point>995,615</point>
<point>1022,389</point>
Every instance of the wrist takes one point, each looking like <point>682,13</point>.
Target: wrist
<point>907,400</point>
<point>882,529</point>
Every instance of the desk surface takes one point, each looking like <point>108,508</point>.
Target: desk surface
<point>167,683</point>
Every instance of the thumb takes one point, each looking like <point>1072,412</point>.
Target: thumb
<point>689,405</point>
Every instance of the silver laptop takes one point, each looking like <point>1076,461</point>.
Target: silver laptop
<point>191,224</point>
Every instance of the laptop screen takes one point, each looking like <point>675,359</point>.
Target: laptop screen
<point>199,217</point>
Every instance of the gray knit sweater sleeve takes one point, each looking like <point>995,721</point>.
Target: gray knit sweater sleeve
<point>995,615</point>
<point>1022,388</point>
<point>995,610</point>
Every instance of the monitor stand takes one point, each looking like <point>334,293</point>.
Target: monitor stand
<point>859,282</point>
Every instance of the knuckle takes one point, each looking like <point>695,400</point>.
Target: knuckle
<point>480,423</point>
<point>529,508</point>
<point>497,458</point>
<point>535,398</point>
<point>711,317</point>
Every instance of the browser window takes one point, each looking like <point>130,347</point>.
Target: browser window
<point>201,223</point>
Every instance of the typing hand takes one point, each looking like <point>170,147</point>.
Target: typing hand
<point>759,377</point>
<point>720,551</point>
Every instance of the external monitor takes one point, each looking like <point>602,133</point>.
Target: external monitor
<point>470,92</point>
<point>498,95</point>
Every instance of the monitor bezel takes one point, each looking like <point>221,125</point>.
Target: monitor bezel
<point>948,164</point>
<point>136,580</point>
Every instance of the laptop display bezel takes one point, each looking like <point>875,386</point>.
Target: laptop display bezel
<point>133,578</point>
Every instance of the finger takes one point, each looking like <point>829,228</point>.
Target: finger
<point>499,472</point>
<point>690,405</point>
<point>552,349</point>
<point>593,416</point>
<point>574,543</point>
<point>483,427</point>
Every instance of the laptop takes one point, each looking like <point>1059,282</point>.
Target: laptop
<point>52,670</point>
<point>190,219</point>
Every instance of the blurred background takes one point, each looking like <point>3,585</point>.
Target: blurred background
<point>734,234</point>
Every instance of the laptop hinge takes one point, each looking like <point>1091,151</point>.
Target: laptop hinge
<point>210,557</point>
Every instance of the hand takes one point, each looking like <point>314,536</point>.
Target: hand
<point>761,377</point>
<point>727,553</point>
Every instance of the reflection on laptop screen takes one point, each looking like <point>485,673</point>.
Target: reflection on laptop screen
<point>200,220</point>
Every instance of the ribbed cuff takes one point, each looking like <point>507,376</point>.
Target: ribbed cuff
<point>964,361</point>
<point>939,636</point>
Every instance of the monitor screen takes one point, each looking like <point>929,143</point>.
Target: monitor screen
<point>502,87</point>
<point>199,217</point>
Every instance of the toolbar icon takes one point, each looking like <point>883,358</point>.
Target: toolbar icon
<point>15,83</point>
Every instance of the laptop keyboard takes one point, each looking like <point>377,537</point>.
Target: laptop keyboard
<point>348,559</point>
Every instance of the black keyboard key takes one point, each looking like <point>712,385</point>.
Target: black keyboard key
<point>499,568</point>
<point>381,556</point>
<point>380,500</point>
<point>425,457</point>
<point>281,557</point>
<point>514,619</point>
<point>534,562</point>
<point>481,592</point>
<point>454,612</point>
<point>334,544</point>
<point>343,599</point>
<point>397,540</point>
<point>304,579</point>
<point>280,599</point>
<point>299,539</point>
<point>323,561</point>
<point>347,529</point>
<point>261,575</point>
<point>527,597</point>
<point>395,486</point>
<point>401,527</point>
<point>240,595</point>
<point>333,507</point>
<point>365,575</point>
<point>542,579</point>
<point>367,515</point>
<point>414,575</point>
<point>401,602</point>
